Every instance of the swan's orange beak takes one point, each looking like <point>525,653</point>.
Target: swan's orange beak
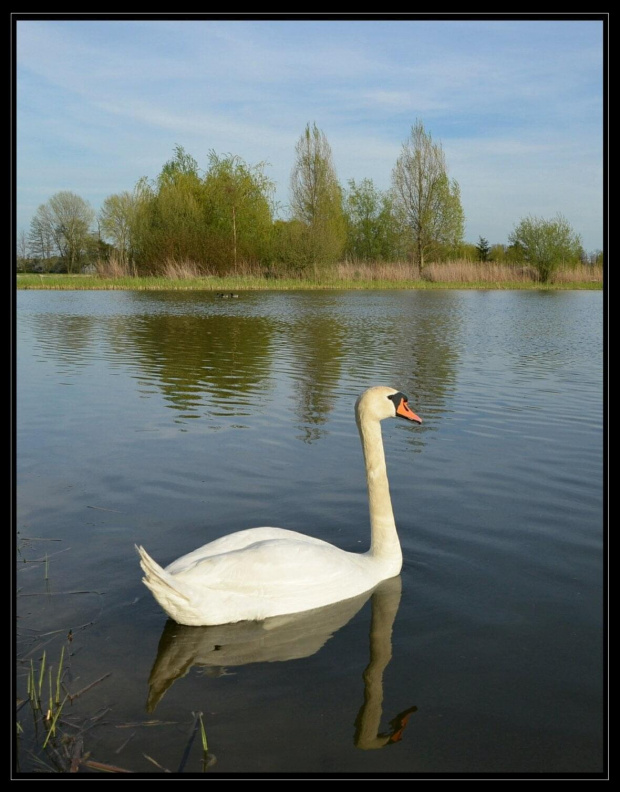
<point>404,411</point>
<point>398,723</point>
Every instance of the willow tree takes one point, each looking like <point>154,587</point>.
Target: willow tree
<point>316,198</point>
<point>240,216</point>
<point>169,221</point>
<point>212,219</point>
<point>428,202</point>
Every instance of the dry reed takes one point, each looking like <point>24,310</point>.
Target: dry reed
<point>187,274</point>
<point>465,271</point>
<point>182,269</point>
<point>461,271</point>
<point>114,267</point>
<point>396,271</point>
<point>581,274</point>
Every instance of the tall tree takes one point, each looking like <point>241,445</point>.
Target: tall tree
<point>64,221</point>
<point>213,220</point>
<point>117,220</point>
<point>170,219</point>
<point>181,164</point>
<point>22,245</point>
<point>316,198</point>
<point>41,234</point>
<point>21,250</point>
<point>240,198</point>
<point>483,249</point>
<point>429,203</point>
<point>546,244</point>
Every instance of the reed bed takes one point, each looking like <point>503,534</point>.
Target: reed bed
<point>474,272</point>
<point>581,274</point>
<point>187,275</point>
<point>175,269</point>
<point>113,267</point>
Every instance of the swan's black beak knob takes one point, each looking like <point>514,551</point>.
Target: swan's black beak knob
<point>403,410</point>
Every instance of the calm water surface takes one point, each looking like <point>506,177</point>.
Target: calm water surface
<point>170,419</point>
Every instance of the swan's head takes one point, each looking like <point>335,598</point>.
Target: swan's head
<point>382,402</point>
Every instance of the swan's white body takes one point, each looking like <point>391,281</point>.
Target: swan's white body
<point>263,572</point>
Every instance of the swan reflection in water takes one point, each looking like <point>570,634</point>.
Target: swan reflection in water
<point>282,638</point>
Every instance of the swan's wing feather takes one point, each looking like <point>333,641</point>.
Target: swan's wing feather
<point>275,567</point>
<point>237,541</point>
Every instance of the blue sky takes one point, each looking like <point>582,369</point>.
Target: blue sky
<point>517,106</point>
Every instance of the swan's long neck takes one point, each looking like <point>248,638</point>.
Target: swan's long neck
<point>384,542</point>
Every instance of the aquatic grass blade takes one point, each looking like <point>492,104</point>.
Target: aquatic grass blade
<point>52,729</point>
<point>41,674</point>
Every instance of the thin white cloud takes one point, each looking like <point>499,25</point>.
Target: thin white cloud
<point>516,106</point>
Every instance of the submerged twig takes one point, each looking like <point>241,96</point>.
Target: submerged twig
<point>36,648</point>
<point>145,723</point>
<point>44,559</point>
<point>77,755</point>
<point>105,768</point>
<point>61,593</point>
<point>146,756</point>
<point>120,748</point>
<point>88,687</point>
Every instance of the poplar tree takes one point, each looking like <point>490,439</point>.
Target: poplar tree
<point>428,202</point>
<point>316,199</point>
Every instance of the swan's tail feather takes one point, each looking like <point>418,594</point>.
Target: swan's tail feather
<point>163,585</point>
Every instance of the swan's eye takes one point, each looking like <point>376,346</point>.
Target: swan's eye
<point>398,398</point>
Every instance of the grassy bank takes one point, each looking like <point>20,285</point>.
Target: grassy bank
<point>450,275</point>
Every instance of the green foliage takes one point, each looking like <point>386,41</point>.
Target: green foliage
<point>497,253</point>
<point>461,251</point>
<point>372,232</point>
<point>220,220</point>
<point>316,202</point>
<point>289,248</point>
<point>427,202</point>
<point>483,249</point>
<point>182,164</point>
<point>175,218</point>
<point>215,221</point>
<point>546,244</point>
<point>239,200</point>
<point>118,221</point>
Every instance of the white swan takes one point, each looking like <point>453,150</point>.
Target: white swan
<point>263,572</point>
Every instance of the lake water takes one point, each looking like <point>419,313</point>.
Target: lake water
<point>170,419</point>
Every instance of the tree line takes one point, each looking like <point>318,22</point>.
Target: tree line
<point>225,217</point>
